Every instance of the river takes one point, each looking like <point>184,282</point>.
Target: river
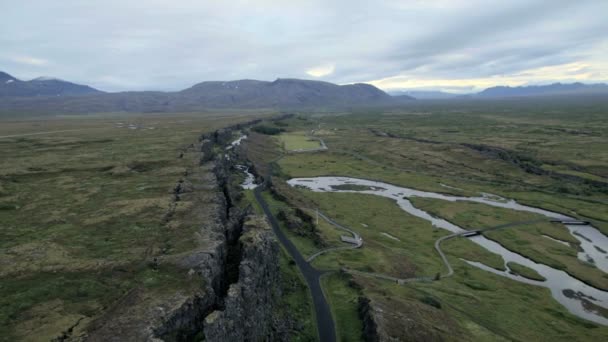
<point>567,290</point>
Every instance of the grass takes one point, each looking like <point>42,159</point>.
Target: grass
<point>295,141</point>
<point>305,245</point>
<point>83,213</point>
<point>343,296</point>
<point>524,271</point>
<point>425,148</point>
<point>527,240</point>
<point>295,301</point>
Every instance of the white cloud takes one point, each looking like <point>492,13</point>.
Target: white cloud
<point>569,72</point>
<point>321,70</point>
<point>149,45</point>
<point>27,60</point>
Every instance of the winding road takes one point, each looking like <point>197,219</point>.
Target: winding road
<point>325,322</point>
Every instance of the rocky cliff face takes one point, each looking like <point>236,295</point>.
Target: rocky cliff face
<point>248,306</point>
<point>366,314</point>
<point>236,261</point>
<point>242,270</point>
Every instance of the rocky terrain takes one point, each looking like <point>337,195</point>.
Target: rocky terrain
<point>235,264</point>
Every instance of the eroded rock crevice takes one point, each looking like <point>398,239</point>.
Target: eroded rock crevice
<point>241,272</point>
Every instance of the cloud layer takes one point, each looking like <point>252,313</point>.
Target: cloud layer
<point>441,44</point>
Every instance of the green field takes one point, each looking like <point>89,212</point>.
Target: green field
<point>84,213</point>
<point>295,141</point>
<point>445,150</point>
<point>525,271</point>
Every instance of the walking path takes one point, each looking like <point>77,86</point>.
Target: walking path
<point>444,258</point>
<point>324,318</point>
<point>356,238</point>
<point>325,322</point>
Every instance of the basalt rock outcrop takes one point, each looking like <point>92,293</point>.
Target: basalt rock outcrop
<point>235,263</point>
<point>248,308</point>
<point>242,270</point>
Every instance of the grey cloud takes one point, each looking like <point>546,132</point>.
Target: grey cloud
<point>166,45</point>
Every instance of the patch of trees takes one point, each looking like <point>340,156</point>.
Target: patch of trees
<point>268,130</point>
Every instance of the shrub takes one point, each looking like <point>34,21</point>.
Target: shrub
<point>431,301</point>
<point>268,130</point>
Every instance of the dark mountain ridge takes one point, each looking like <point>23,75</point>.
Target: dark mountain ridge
<point>281,93</point>
<point>424,94</point>
<point>42,86</point>
<point>542,90</point>
<point>507,92</point>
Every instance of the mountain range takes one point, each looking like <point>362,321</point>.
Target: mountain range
<point>424,94</point>
<point>41,86</point>
<point>554,89</point>
<point>51,95</point>
<point>544,90</point>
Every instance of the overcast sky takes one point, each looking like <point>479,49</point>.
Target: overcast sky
<point>457,45</point>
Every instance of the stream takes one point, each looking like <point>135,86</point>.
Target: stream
<point>249,182</point>
<point>579,298</point>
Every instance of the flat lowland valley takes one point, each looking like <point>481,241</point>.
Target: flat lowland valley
<point>543,155</point>
<point>87,211</point>
<point>138,224</point>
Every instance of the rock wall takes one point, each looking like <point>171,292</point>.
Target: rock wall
<point>370,332</point>
<point>248,306</point>
<point>236,260</point>
<point>241,270</point>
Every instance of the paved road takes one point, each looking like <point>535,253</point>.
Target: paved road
<point>325,322</point>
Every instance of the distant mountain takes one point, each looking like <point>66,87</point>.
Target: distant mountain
<point>545,90</point>
<point>424,94</point>
<point>281,93</point>
<point>42,86</point>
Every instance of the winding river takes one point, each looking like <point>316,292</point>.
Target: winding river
<point>579,298</point>
<point>249,182</point>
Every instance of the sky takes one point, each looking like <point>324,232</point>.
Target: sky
<point>450,45</point>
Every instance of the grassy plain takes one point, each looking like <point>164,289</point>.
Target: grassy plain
<point>524,271</point>
<point>298,141</point>
<point>527,240</point>
<point>296,301</point>
<point>343,297</point>
<point>84,203</point>
<point>534,149</point>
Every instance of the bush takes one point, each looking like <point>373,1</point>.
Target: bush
<point>431,301</point>
<point>268,130</point>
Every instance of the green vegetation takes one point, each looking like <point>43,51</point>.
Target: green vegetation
<point>268,130</point>
<point>427,147</point>
<point>524,271</point>
<point>298,141</point>
<point>304,236</point>
<point>295,301</point>
<point>343,297</point>
<point>527,240</point>
<point>85,213</point>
